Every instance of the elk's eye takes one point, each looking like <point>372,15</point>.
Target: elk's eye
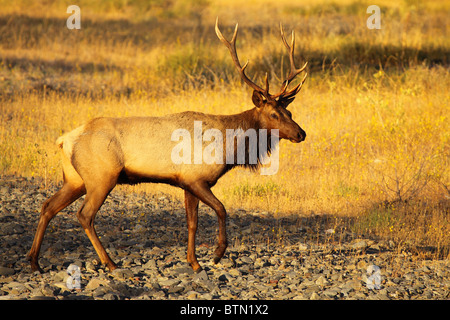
<point>274,116</point>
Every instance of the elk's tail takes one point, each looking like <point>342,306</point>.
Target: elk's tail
<point>67,141</point>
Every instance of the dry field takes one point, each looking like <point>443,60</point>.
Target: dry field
<point>375,106</point>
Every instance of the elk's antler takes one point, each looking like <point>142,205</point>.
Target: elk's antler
<point>283,94</point>
<point>293,72</point>
<point>231,45</point>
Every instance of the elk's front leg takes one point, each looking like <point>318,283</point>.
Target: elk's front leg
<point>191,204</point>
<point>203,192</point>
<point>86,214</point>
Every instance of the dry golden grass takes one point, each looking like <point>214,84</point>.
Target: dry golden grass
<point>375,106</point>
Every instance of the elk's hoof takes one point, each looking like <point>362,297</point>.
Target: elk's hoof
<point>36,267</point>
<point>198,270</point>
<point>216,259</point>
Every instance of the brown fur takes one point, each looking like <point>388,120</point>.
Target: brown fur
<point>108,151</point>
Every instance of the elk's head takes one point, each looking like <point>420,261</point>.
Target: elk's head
<point>271,109</point>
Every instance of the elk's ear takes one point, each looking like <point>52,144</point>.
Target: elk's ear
<point>257,99</point>
<point>285,102</point>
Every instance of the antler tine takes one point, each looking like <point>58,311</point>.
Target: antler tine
<point>295,90</point>
<point>219,34</point>
<point>266,92</point>
<point>294,71</point>
<point>231,45</point>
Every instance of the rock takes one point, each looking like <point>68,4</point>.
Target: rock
<point>362,265</point>
<point>245,259</point>
<point>321,281</point>
<point>60,276</point>
<point>169,282</point>
<point>303,246</point>
<point>201,276</point>
<point>122,274</point>
<point>234,272</point>
<point>331,293</point>
<point>225,277</point>
<point>92,266</point>
<point>206,296</point>
<point>61,286</point>
<point>158,295</point>
<point>192,295</point>
<point>139,228</point>
<point>111,296</point>
<point>314,296</point>
<point>352,285</point>
<point>227,263</point>
<point>120,288</point>
<point>16,287</point>
<point>359,245</point>
<point>183,270</point>
<point>259,263</point>
<point>11,228</point>
<point>292,275</point>
<point>49,290</point>
<point>150,264</point>
<point>100,291</point>
<point>175,289</point>
<point>202,279</point>
<point>94,283</point>
<point>4,271</point>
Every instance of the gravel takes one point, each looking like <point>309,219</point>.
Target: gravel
<point>295,257</point>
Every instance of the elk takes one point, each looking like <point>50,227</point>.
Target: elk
<point>109,151</point>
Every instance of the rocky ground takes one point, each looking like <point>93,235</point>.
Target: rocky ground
<point>297,257</point>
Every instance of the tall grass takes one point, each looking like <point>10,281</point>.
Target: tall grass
<point>375,106</point>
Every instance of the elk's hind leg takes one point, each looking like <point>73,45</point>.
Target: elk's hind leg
<point>72,189</point>
<point>65,196</point>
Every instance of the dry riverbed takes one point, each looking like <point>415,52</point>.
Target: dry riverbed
<point>296,257</point>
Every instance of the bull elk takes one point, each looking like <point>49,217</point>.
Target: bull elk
<point>109,151</point>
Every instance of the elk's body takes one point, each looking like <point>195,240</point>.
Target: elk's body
<point>138,149</point>
<point>109,151</point>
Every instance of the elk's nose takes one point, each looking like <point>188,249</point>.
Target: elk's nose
<point>301,136</point>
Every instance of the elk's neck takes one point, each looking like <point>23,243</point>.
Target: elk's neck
<point>258,149</point>
<point>244,120</point>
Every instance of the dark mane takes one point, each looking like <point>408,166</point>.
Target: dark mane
<point>257,149</point>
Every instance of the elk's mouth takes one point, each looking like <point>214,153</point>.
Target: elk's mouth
<point>298,139</point>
